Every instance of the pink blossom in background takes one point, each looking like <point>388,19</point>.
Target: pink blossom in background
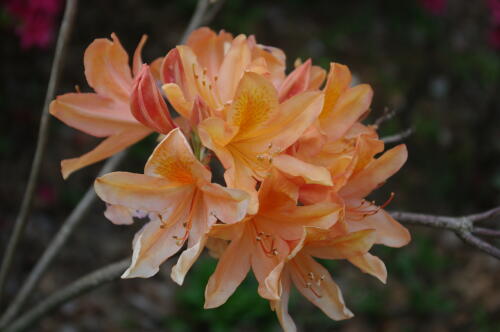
<point>36,20</point>
<point>435,7</point>
<point>494,32</point>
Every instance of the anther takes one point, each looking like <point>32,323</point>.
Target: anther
<point>310,275</point>
<point>275,252</point>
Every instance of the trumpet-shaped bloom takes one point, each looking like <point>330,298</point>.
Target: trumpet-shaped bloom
<point>176,192</point>
<point>313,281</point>
<point>256,128</point>
<point>105,113</point>
<point>263,241</point>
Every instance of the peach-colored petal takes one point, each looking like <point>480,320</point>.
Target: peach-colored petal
<point>156,68</point>
<point>296,82</point>
<point>231,270</point>
<point>110,146</point>
<point>154,244</point>
<point>238,177</point>
<point>318,76</point>
<point>341,247</point>
<point>107,69</point>
<point>228,205</point>
<point>296,167</point>
<point>176,97</point>
<point>338,82</point>
<point>137,58</point>
<point>147,104</point>
<point>93,114</point>
<point>209,47</point>
<point>215,133</point>
<point>173,159</point>
<point>294,117</point>
<point>370,264</point>
<point>281,306</point>
<point>255,103</point>
<point>325,294</point>
<point>388,231</point>
<point>232,68</point>
<point>118,214</point>
<point>141,192</point>
<point>186,260</point>
<point>350,106</point>
<point>379,170</point>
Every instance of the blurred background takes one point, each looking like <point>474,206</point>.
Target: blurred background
<point>436,62</point>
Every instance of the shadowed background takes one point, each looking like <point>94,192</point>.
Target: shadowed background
<point>435,62</point>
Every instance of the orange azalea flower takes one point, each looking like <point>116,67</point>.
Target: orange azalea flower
<point>176,192</point>
<point>209,67</point>
<point>105,113</point>
<point>263,241</point>
<point>255,128</point>
<point>313,281</point>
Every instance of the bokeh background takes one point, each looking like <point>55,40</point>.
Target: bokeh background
<point>434,61</point>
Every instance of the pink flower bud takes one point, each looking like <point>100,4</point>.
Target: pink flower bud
<point>147,103</point>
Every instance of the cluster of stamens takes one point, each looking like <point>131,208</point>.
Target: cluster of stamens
<point>266,242</point>
<point>366,208</point>
<point>310,280</point>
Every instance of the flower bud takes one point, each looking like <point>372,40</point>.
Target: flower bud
<point>147,103</point>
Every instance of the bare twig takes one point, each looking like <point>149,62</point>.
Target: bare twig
<point>209,16</point>
<point>78,213</point>
<point>57,64</point>
<point>397,137</point>
<point>486,232</point>
<point>56,244</point>
<point>78,287</point>
<point>462,226</point>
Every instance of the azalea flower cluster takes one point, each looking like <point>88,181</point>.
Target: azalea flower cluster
<point>297,163</point>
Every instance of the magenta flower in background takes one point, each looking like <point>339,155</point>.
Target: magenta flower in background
<point>36,20</point>
<point>435,7</point>
<point>494,33</point>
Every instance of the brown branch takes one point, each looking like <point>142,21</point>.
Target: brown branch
<point>462,226</point>
<point>55,73</point>
<point>83,285</point>
<point>386,116</point>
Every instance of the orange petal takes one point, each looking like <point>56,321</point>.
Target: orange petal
<point>147,104</point>
<point>93,114</point>
<point>255,103</point>
<point>186,260</point>
<point>118,214</point>
<point>318,76</point>
<point>378,171</point>
<point>296,82</point>
<point>176,97</point>
<point>107,69</point>
<point>338,82</point>
<point>294,116</point>
<point>350,106</point>
<point>296,167</point>
<point>141,192</point>
<point>137,59</point>
<point>231,270</point>
<point>173,159</point>
<point>156,68</point>
<point>110,146</point>
<point>341,247</point>
<point>228,205</point>
<point>154,244</point>
<point>327,296</point>
<point>388,231</point>
<point>209,48</point>
<point>281,306</point>
<point>232,68</point>
<point>370,264</point>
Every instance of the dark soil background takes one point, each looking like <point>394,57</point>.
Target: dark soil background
<point>439,69</point>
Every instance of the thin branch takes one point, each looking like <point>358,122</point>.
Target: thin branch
<point>386,116</point>
<point>398,137</point>
<point>196,19</point>
<point>75,289</point>
<point>78,213</point>
<point>210,15</point>
<point>462,226</point>
<point>57,243</point>
<point>486,232</point>
<point>55,73</point>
